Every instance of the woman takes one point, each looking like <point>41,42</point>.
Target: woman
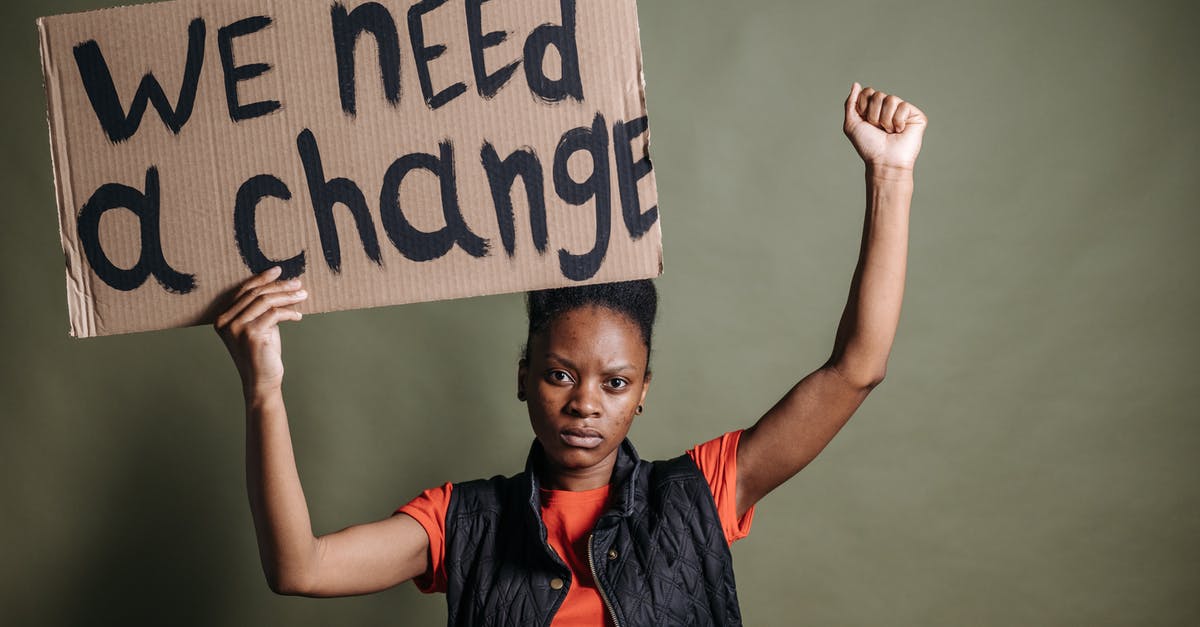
<point>589,534</point>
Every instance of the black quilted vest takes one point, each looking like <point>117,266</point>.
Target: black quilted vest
<point>658,552</point>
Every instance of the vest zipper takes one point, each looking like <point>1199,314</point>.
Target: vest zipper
<point>595,577</point>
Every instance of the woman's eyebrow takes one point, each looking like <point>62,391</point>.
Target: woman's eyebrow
<point>620,367</point>
<point>552,356</point>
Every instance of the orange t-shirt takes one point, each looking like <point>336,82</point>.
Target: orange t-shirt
<point>569,518</point>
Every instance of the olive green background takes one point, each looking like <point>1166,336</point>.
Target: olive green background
<point>1029,460</point>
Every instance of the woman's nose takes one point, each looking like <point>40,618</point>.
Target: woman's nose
<point>584,401</point>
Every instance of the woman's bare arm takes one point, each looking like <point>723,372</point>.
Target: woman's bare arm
<point>886,131</point>
<point>356,560</point>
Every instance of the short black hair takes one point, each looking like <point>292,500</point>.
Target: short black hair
<point>638,300</point>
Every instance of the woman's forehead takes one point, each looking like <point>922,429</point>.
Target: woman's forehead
<point>592,331</point>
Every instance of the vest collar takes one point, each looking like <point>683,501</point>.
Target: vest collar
<point>622,482</point>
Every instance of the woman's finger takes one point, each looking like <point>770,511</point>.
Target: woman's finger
<point>873,109</point>
<point>235,301</point>
<point>888,113</point>
<point>272,317</point>
<point>262,278</point>
<point>914,115</point>
<point>864,100</point>
<point>248,296</point>
<point>900,118</point>
<point>263,303</point>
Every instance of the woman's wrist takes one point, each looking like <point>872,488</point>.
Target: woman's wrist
<point>261,398</point>
<point>889,173</point>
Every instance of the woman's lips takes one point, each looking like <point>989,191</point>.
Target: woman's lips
<point>580,437</point>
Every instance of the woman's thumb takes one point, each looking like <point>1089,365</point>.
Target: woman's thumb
<point>852,104</point>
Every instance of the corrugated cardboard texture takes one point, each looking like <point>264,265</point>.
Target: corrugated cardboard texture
<point>201,168</point>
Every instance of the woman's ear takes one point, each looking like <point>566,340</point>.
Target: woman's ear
<point>645,388</point>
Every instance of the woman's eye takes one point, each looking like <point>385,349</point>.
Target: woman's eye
<point>560,376</point>
<point>617,383</point>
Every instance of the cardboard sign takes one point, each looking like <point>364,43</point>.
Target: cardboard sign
<point>388,152</point>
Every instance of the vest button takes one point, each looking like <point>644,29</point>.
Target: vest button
<point>556,584</point>
<point>612,554</point>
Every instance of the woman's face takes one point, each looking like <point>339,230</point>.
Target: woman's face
<point>584,378</point>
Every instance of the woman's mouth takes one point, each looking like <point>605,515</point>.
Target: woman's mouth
<point>581,437</point>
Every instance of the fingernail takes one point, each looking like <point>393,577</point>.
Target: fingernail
<point>301,294</point>
<point>275,270</point>
<point>293,283</point>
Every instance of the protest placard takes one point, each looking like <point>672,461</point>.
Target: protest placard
<point>387,152</point>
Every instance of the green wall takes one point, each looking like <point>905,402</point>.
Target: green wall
<point>1030,459</point>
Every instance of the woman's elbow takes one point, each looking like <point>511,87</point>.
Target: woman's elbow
<point>283,588</point>
<point>865,379</point>
<point>289,583</point>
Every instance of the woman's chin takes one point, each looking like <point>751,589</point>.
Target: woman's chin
<point>577,458</point>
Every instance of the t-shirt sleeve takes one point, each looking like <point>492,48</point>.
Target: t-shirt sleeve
<point>429,509</point>
<point>717,460</point>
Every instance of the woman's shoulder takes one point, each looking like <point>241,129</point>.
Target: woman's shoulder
<point>479,495</point>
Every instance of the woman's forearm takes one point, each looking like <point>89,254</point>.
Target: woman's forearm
<point>868,324</point>
<point>281,522</point>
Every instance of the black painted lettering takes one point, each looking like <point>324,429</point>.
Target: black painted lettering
<point>501,177</point>
<point>325,194</point>
<point>246,232</point>
<point>98,82</point>
<point>424,54</point>
<point>236,73</point>
<point>416,244</point>
<point>593,141</point>
<point>629,172</point>
<point>373,18</point>
<point>144,205</point>
<point>486,84</point>
<point>562,37</point>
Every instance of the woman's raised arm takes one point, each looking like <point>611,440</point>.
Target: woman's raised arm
<point>356,560</point>
<point>886,131</point>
